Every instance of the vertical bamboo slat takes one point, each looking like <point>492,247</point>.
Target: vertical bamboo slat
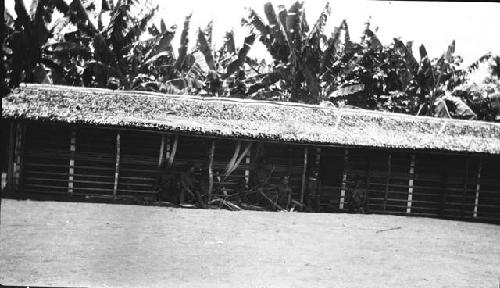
<point>478,186</point>
<point>368,169</point>
<point>210,169</point>
<point>71,172</point>
<point>173,151</point>
<point>117,165</point>
<point>317,162</point>
<point>11,168</point>
<point>467,162</point>
<point>18,156</point>
<point>343,187</point>
<point>410,183</point>
<point>388,178</point>
<point>162,148</point>
<point>169,147</point>
<point>247,171</point>
<point>304,173</point>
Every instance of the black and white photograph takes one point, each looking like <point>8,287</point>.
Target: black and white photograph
<point>254,144</point>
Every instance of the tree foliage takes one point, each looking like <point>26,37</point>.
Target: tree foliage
<point>118,47</point>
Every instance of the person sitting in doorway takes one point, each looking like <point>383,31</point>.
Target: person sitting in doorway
<point>358,197</point>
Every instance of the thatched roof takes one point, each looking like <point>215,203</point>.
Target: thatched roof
<point>289,122</point>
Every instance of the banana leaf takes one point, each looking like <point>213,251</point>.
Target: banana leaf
<point>105,5</point>
<point>186,83</point>
<point>320,23</point>
<point>242,54</point>
<point>140,27</point>
<point>328,57</point>
<point>208,31</point>
<point>228,44</point>
<point>271,16</point>
<point>165,40</point>
<point>201,63</point>
<point>184,41</point>
<point>205,49</point>
<point>255,21</point>
<point>23,17</point>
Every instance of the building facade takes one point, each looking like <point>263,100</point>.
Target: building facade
<point>67,143</point>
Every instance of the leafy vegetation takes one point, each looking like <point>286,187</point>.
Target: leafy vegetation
<point>119,48</point>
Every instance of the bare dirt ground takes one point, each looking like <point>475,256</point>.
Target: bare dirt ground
<point>103,245</point>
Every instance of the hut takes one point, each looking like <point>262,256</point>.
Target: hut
<point>81,144</point>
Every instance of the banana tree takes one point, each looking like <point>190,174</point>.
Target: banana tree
<point>296,50</point>
<point>28,37</point>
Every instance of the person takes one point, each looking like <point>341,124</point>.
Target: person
<point>313,198</point>
<point>284,193</point>
<point>358,198</point>
<point>189,184</point>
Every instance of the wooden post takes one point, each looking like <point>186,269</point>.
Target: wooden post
<point>71,172</point>
<point>368,168</point>
<point>173,151</point>
<point>247,171</point>
<point>162,148</point>
<point>18,152</point>
<point>343,187</point>
<point>18,157</point>
<point>387,180</point>
<point>117,165</point>
<point>210,170</point>
<point>317,163</point>
<point>10,168</point>
<point>167,154</point>
<point>466,180</point>
<point>304,174</point>
<point>478,186</point>
<point>410,183</point>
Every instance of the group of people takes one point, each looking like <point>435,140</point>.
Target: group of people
<point>189,184</point>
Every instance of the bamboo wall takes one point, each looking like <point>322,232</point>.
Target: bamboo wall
<point>82,163</point>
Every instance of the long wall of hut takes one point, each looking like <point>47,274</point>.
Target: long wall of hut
<point>78,163</point>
